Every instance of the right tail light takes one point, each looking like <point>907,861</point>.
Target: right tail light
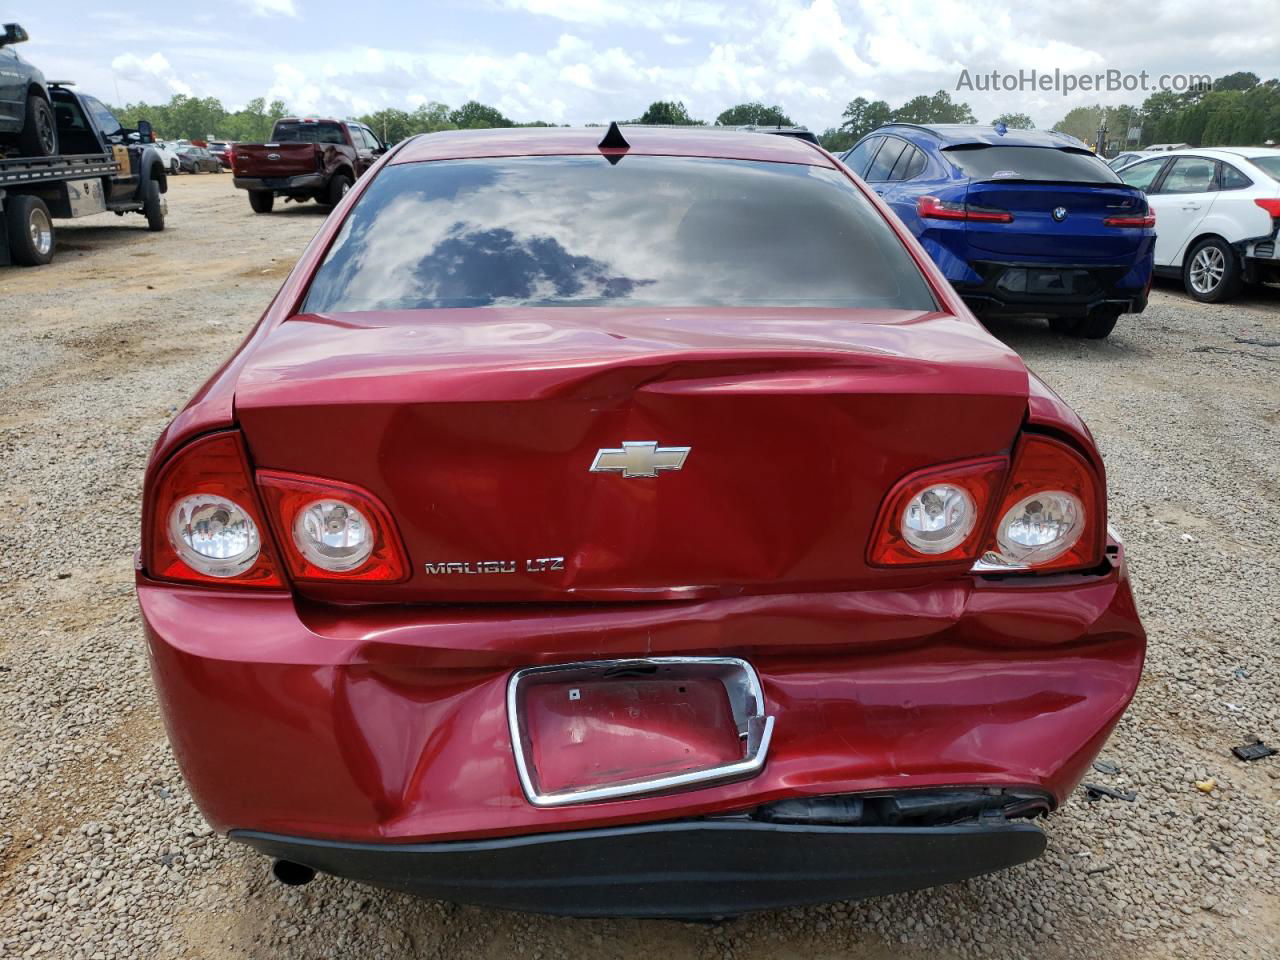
<point>1053,513</point>
<point>1044,513</point>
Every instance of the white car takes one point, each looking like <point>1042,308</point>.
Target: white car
<point>1122,160</point>
<point>169,154</point>
<point>1217,216</point>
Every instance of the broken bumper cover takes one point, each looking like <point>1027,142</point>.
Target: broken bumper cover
<point>684,869</point>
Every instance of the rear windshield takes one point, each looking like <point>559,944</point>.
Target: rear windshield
<point>1268,165</point>
<point>1052,164</point>
<point>307,133</point>
<point>577,231</point>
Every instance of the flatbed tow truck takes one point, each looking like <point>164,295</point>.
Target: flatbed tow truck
<point>108,171</point>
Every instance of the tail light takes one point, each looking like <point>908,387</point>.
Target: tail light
<point>204,523</point>
<point>1053,513</point>
<point>1272,206</point>
<point>1048,516</point>
<point>1145,220</point>
<point>332,531</point>
<point>938,515</point>
<point>935,209</point>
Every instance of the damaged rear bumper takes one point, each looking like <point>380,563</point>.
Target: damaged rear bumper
<point>690,869</point>
<point>389,724</point>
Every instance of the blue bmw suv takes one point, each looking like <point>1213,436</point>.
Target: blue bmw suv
<point>1022,222</point>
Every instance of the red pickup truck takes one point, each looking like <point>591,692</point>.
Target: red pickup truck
<point>307,159</point>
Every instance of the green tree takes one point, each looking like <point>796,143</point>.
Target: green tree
<point>1159,114</point>
<point>1081,123</point>
<point>390,124</point>
<point>668,112</point>
<point>1015,121</point>
<point>939,108</point>
<point>862,116</point>
<point>836,140</point>
<point>474,116</point>
<point>430,117</point>
<point>757,113</point>
<point>1241,80</point>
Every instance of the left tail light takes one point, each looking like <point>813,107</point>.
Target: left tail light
<point>329,530</point>
<point>205,523</point>
<point>934,209</point>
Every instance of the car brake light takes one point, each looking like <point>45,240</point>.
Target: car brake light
<point>1146,220</point>
<point>1271,205</point>
<point>203,521</point>
<point>937,515</point>
<point>1053,513</point>
<point>936,209</point>
<point>332,531</point>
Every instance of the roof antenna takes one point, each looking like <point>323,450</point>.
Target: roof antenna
<point>614,140</point>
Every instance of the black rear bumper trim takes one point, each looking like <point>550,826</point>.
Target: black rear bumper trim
<point>702,868</point>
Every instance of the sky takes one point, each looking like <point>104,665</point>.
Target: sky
<point>590,61</point>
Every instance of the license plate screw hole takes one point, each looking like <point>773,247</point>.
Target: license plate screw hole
<point>575,694</point>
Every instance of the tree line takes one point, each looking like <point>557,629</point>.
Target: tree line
<point>1240,109</point>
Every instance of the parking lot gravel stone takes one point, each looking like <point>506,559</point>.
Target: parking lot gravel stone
<point>104,855</point>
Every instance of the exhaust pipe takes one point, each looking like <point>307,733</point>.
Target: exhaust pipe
<point>292,874</point>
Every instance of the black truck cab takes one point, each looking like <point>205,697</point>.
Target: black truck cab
<point>102,166</point>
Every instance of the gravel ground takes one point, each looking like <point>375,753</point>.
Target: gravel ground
<point>102,853</point>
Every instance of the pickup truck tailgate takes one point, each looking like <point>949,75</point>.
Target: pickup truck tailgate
<point>276,159</point>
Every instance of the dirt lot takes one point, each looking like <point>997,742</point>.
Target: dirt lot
<point>103,855</point>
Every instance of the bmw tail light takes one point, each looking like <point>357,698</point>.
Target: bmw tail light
<point>1147,219</point>
<point>1053,513</point>
<point>204,522</point>
<point>332,531</point>
<point>934,209</point>
<point>938,515</point>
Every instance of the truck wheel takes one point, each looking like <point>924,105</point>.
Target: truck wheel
<point>338,188</point>
<point>1096,326</point>
<point>261,200</point>
<point>153,206</point>
<point>39,136</point>
<point>31,235</point>
<point>1211,271</point>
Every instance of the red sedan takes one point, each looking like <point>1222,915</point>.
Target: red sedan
<point>630,526</point>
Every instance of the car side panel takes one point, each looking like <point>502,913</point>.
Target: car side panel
<point>13,86</point>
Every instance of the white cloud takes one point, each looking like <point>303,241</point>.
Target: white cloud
<point>145,70</point>
<point>613,57</point>
<point>271,8</point>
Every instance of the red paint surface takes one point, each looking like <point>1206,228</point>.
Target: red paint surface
<point>377,711</point>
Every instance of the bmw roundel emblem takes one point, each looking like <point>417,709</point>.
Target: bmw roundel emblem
<point>1059,213</point>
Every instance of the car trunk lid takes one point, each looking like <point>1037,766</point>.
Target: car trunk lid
<point>1063,222</point>
<point>479,429</point>
<point>1059,199</point>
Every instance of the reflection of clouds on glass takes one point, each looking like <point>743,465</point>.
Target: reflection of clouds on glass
<point>650,230</point>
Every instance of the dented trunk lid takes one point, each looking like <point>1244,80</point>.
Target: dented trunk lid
<point>479,428</point>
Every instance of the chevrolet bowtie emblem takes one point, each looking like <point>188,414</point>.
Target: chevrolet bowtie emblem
<point>641,458</point>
